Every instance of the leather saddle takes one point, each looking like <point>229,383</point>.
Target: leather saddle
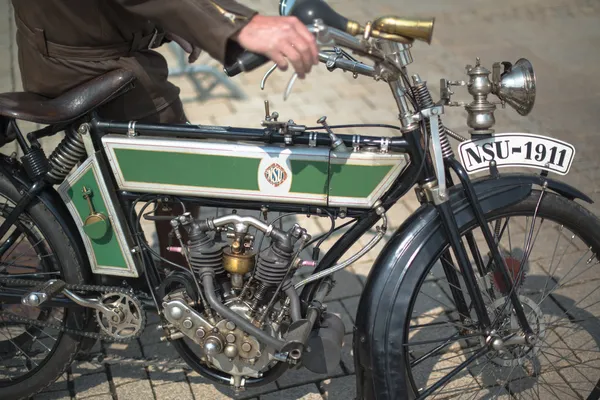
<point>70,105</point>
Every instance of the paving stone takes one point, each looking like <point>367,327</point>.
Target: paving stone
<point>136,390</point>
<point>300,376</point>
<point>86,368</point>
<point>305,392</point>
<point>339,388</point>
<point>124,374</point>
<point>346,285</point>
<point>129,349</point>
<point>60,395</point>
<point>60,384</point>
<point>361,270</point>
<point>204,389</point>
<point>174,391</point>
<point>161,376</point>
<point>351,306</point>
<point>90,385</point>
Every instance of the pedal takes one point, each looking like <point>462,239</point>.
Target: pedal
<point>43,292</point>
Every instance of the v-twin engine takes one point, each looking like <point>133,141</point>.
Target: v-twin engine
<point>238,304</point>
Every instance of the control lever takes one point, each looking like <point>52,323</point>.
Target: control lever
<point>289,86</point>
<point>337,144</point>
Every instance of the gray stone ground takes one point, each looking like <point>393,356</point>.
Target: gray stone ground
<point>560,37</point>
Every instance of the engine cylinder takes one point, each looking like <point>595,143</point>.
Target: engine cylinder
<point>204,252</point>
<point>272,266</point>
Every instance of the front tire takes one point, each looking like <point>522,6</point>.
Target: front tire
<point>413,344</point>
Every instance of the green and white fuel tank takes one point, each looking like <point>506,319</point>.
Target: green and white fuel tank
<point>244,171</point>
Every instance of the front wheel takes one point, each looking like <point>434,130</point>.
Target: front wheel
<point>550,247</point>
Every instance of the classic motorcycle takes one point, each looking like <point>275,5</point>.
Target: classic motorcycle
<point>437,316</point>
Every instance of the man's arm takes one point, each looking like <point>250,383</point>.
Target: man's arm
<point>224,28</point>
<point>200,22</point>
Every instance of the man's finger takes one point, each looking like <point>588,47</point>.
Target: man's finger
<point>295,58</point>
<point>280,60</point>
<point>303,48</point>
<point>310,39</point>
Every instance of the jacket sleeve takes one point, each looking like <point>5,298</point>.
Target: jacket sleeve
<point>208,24</point>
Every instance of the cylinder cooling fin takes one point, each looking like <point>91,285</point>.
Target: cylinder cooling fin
<point>272,266</point>
<point>205,252</point>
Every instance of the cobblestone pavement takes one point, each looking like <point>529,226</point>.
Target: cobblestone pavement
<point>560,38</point>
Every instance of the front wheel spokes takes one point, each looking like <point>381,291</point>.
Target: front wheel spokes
<point>562,361</point>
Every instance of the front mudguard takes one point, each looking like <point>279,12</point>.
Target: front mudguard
<point>379,333</point>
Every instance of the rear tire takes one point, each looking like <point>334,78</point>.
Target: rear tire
<point>64,260</point>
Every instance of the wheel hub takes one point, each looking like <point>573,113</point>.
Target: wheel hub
<point>511,347</point>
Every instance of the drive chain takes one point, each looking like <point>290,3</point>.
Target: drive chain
<point>77,288</point>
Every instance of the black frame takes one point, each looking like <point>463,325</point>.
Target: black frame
<point>419,170</point>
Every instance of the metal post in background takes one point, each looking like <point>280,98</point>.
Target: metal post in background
<point>203,85</point>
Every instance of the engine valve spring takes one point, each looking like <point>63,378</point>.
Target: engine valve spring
<point>423,96</point>
<point>204,252</point>
<point>272,266</point>
<point>259,295</point>
<point>65,156</point>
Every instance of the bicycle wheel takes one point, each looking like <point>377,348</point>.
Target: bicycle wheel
<point>35,247</point>
<point>550,248</point>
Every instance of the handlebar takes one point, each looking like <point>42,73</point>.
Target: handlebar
<point>306,11</point>
<point>246,62</point>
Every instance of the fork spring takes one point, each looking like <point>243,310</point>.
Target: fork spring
<point>423,96</point>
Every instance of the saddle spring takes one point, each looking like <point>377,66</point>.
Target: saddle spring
<point>65,156</point>
<point>423,97</point>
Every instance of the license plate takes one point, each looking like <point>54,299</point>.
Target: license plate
<point>517,150</point>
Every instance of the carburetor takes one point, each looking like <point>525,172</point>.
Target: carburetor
<point>238,260</point>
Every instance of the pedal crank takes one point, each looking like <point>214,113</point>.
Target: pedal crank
<point>43,292</point>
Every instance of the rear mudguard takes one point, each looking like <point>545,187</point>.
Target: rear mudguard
<point>379,332</point>
<point>14,171</point>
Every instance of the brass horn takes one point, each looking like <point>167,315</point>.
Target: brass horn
<point>396,28</point>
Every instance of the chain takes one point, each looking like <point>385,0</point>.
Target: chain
<point>78,288</point>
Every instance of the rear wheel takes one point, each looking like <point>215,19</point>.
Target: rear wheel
<point>551,250</point>
<point>35,247</point>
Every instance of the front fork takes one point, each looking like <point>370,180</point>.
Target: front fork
<point>437,193</point>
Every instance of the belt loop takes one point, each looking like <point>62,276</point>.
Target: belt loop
<point>40,41</point>
<point>135,43</point>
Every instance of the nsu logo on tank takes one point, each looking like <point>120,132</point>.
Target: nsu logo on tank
<point>275,174</point>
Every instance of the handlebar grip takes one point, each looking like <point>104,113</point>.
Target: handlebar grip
<point>246,62</point>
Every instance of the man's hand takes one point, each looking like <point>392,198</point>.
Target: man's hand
<point>281,39</point>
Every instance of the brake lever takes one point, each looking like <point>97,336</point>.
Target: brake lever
<point>264,79</point>
<point>290,84</point>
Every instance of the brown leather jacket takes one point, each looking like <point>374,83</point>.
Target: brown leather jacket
<point>63,43</point>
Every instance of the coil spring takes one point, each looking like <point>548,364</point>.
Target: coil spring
<point>65,156</point>
<point>423,96</point>
<point>35,162</point>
